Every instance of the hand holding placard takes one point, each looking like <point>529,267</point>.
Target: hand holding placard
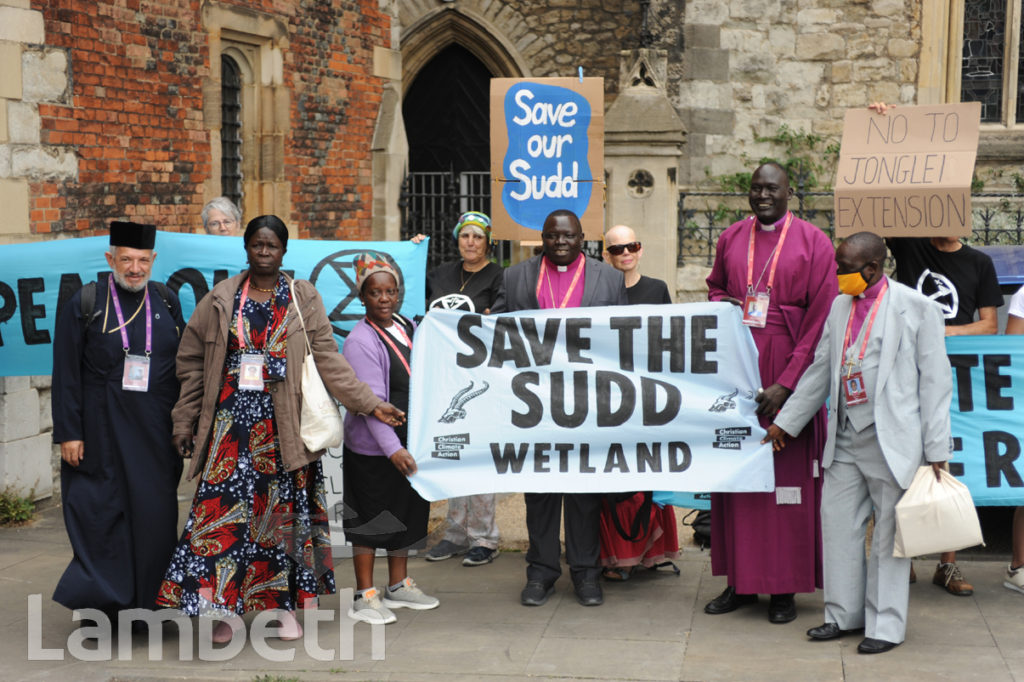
<point>906,171</point>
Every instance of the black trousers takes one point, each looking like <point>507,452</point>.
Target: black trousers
<point>582,535</point>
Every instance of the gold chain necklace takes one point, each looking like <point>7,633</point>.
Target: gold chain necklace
<point>465,280</point>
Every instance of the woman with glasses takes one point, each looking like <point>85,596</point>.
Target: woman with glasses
<point>382,509</point>
<point>471,283</point>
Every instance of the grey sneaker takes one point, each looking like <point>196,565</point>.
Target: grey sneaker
<point>408,596</point>
<point>478,556</point>
<point>445,550</point>
<point>369,609</point>
<point>1014,578</point>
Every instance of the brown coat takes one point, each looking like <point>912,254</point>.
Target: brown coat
<point>200,364</point>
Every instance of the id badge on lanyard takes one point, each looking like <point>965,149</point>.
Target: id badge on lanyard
<point>250,372</point>
<point>854,390</point>
<point>755,309</point>
<point>136,373</point>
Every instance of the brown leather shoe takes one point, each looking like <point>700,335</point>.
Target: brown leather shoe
<point>948,576</point>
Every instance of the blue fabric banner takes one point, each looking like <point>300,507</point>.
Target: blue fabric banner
<point>36,278</point>
<point>586,400</point>
<point>988,398</point>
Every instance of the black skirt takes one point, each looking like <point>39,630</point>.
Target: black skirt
<point>381,509</point>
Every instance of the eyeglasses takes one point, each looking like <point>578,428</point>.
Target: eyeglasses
<point>618,249</point>
<point>222,223</point>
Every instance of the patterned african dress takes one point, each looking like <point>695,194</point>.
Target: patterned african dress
<point>257,537</point>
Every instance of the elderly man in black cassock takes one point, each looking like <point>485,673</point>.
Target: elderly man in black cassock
<point>114,385</point>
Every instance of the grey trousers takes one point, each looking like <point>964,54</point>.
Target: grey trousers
<point>874,592</point>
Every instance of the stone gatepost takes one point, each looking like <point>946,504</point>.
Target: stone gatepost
<point>643,140</point>
<point>25,426</point>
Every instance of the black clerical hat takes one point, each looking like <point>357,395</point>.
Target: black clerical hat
<point>132,235</point>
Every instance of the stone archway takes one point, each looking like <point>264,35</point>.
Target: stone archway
<point>433,31</point>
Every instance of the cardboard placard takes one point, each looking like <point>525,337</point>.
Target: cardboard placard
<point>907,173</point>
<point>547,153</point>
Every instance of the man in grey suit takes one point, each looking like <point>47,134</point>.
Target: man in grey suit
<point>562,277</point>
<point>882,364</point>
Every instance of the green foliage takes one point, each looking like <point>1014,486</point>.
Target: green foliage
<point>809,159</point>
<point>15,509</point>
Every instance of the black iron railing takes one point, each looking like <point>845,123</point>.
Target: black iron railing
<point>703,216</point>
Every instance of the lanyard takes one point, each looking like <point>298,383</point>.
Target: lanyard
<point>867,331</point>
<point>774,258</point>
<point>391,343</point>
<point>121,322</point>
<point>572,285</point>
<point>243,341</point>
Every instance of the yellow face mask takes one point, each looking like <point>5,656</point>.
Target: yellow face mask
<point>852,283</point>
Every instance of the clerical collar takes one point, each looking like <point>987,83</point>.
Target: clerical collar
<point>562,268</point>
<point>872,291</point>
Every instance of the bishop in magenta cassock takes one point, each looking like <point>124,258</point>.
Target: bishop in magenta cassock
<point>770,543</point>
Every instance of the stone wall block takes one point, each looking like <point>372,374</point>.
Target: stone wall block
<point>709,121</point>
<point>884,91</point>
<point>752,67</point>
<point>702,35</point>
<point>25,466</point>
<point>707,12</point>
<point>40,381</point>
<point>899,47</point>
<point>849,95</point>
<point>14,200</point>
<point>19,415</point>
<point>820,16</point>
<point>44,76</point>
<point>874,70</point>
<point>887,8</point>
<point>10,74</point>
<point>706,64</point>
<point>23,122</point>
<point>14,384</point>
<point>5,161</point>
<point>908,70</point>
<point>745,40</point>
<point>841,72</point>
<point>44,163</point>
<point>862,44</point>
<point>45,413</point>
<point>705,95</point>
<point>823,96</point>
<point>782,39</point>
<point>825,46</point>
<point>21,25</point>
<point>758,10</point>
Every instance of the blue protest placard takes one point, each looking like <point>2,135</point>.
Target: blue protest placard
<point>35,279</point>
<point>547,153</point>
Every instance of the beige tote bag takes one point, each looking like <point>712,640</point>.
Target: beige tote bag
<point>319,420</point>
<point>935,516</point>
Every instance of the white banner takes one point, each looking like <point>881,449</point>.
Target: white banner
<point>613,399</point>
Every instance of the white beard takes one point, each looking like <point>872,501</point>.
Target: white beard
<point>127,287</point>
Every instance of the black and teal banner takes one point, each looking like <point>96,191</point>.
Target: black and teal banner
<point>36,279</point>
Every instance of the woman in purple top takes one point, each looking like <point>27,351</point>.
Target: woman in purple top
<point>382,510</point>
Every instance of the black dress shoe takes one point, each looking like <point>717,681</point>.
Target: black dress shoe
<point>875,646</point>
<point>588,593</point>
<point>728,601</point>
<point>782,608</point>
<point>536,593</point>
<point>829,631</point>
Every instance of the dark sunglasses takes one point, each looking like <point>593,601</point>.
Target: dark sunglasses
<point>618,249</point>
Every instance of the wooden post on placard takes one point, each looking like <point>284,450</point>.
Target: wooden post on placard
<point>907,173</point>
<point>547,153</point>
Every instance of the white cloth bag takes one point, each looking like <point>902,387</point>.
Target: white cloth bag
<point>319,419</point>
<point>935,516</point>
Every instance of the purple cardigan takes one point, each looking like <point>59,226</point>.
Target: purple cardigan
<point>369,358</point>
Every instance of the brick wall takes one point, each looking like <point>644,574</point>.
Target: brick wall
<point>134,114</point>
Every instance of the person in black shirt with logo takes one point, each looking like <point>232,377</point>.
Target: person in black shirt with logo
<point>962,280</point>
<point>471,283</point>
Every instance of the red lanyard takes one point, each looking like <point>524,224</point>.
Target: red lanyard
<point>775,257</point>
<point>243,342</point>
<point>572,285</point>
<point>387,339</point>
<point>867,331</point>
